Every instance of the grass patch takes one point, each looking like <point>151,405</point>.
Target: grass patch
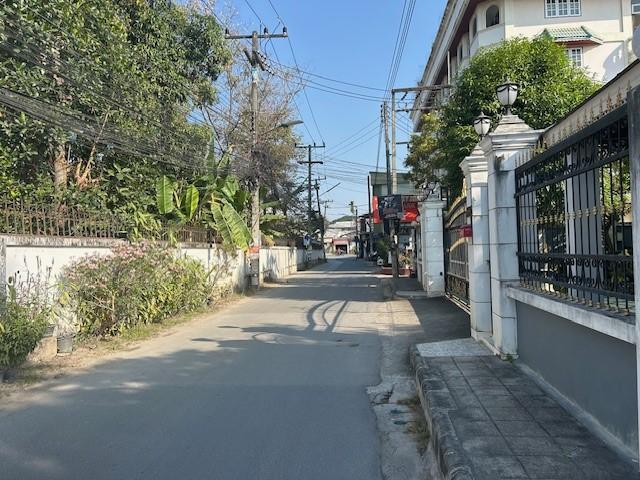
<point>420,430</point>
<point>141,332</point>
<point>412,402</point>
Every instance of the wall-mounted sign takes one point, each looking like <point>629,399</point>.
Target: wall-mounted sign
<point>390,206</point>
<point>409,209</point>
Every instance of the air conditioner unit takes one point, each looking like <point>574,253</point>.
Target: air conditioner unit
<point>635,9</point>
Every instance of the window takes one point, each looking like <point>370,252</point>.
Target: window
<point>474,27</point>
<point>563,8</point>
<point>461,52</point>
<point>635,7</point>
<point>493,16</point>
<point>575,55</point>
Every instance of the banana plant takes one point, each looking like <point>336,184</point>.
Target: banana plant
<point>212,201</point>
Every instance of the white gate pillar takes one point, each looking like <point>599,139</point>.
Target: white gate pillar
<point>475,170</point>
<point>511,138</point>
<point>634,163</point>
<point>431,232</point>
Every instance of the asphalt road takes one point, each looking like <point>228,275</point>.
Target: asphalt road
<point>271,388</point>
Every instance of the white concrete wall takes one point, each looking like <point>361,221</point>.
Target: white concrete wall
<point>278,262</point>
<point>21,256</point>
<point>301,255</point>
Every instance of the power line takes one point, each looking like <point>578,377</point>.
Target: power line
<point>304,91</point>
<point>358,138</point>
<point>254,12</point>
<point>329,79</point>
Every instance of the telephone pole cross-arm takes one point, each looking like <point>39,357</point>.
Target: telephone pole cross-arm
<point>256,60</point>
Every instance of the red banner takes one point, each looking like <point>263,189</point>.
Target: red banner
<point>374,208</point>
<point>410,210</point>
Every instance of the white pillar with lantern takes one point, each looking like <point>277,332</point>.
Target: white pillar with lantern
<point>502,148</point>
<point>475,169</point>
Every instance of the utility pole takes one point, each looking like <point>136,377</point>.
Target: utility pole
<point>370,216</point>
<point>257,63</point>
<point>317,187</point>
<point>390,191</point>
<point>386,147</point>
<point>354,211</point>
<point>394,168</point>
<point>310,162</point>
<point>434,89</point>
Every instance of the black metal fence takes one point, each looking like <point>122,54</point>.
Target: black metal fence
<point>26,218</point>
<point>574,216</point>
<point>456,264</point>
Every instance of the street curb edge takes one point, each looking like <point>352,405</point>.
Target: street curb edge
<point>450,455</point>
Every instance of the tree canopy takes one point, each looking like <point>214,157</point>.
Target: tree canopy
<point>98,103</point>
<point>550,86</point>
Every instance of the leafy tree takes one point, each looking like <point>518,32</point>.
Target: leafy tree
<point>550,86</point>
<point>107,91</point>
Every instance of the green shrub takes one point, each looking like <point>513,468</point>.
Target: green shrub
<point>382,247</point>
<point>23,322</point>
<point>133,285</point>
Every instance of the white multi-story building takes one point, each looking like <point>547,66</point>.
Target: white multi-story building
<point>596,33</point>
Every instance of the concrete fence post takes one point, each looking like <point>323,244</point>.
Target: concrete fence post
<point>475,169</point>
<point>633,105</point>
<point>432,237</point>
<point>3,271</point>
<point>511,138</point>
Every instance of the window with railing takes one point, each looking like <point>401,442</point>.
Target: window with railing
<point>574,215</point>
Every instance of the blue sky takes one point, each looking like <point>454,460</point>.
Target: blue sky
<point>352,41</point>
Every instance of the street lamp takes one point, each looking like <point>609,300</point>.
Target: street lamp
<point>507,95</point>
<point>290,124</point>
<point>482,124</point>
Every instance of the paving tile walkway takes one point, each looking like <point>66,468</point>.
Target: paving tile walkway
<point>490,420</point>
<point>507,427</point>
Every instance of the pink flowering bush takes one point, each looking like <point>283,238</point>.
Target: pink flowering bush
<point>134,284</point>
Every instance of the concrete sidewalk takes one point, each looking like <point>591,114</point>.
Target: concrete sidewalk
<point>489,420</point>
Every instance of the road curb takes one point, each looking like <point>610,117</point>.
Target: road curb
<point>436,403</point>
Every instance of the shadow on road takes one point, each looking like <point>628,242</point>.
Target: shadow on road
<point>267,389</point>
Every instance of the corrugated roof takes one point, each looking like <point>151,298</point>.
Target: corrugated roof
<point>571,34</point>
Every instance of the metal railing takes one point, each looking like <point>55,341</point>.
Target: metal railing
<point>574,218</point>
<point>456,260</point>
<point>24,218</point>
<point>58,220</point>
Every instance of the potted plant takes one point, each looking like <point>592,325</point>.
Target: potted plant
<point>404,262</point>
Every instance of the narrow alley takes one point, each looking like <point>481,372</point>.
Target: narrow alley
<point>272,387</point>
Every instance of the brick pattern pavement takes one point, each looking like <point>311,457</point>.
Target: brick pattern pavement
<point>506,427</point>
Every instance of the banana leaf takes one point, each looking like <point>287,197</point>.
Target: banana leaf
<point>164,195</point>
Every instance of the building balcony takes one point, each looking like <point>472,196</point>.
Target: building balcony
<point>487,37</point>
